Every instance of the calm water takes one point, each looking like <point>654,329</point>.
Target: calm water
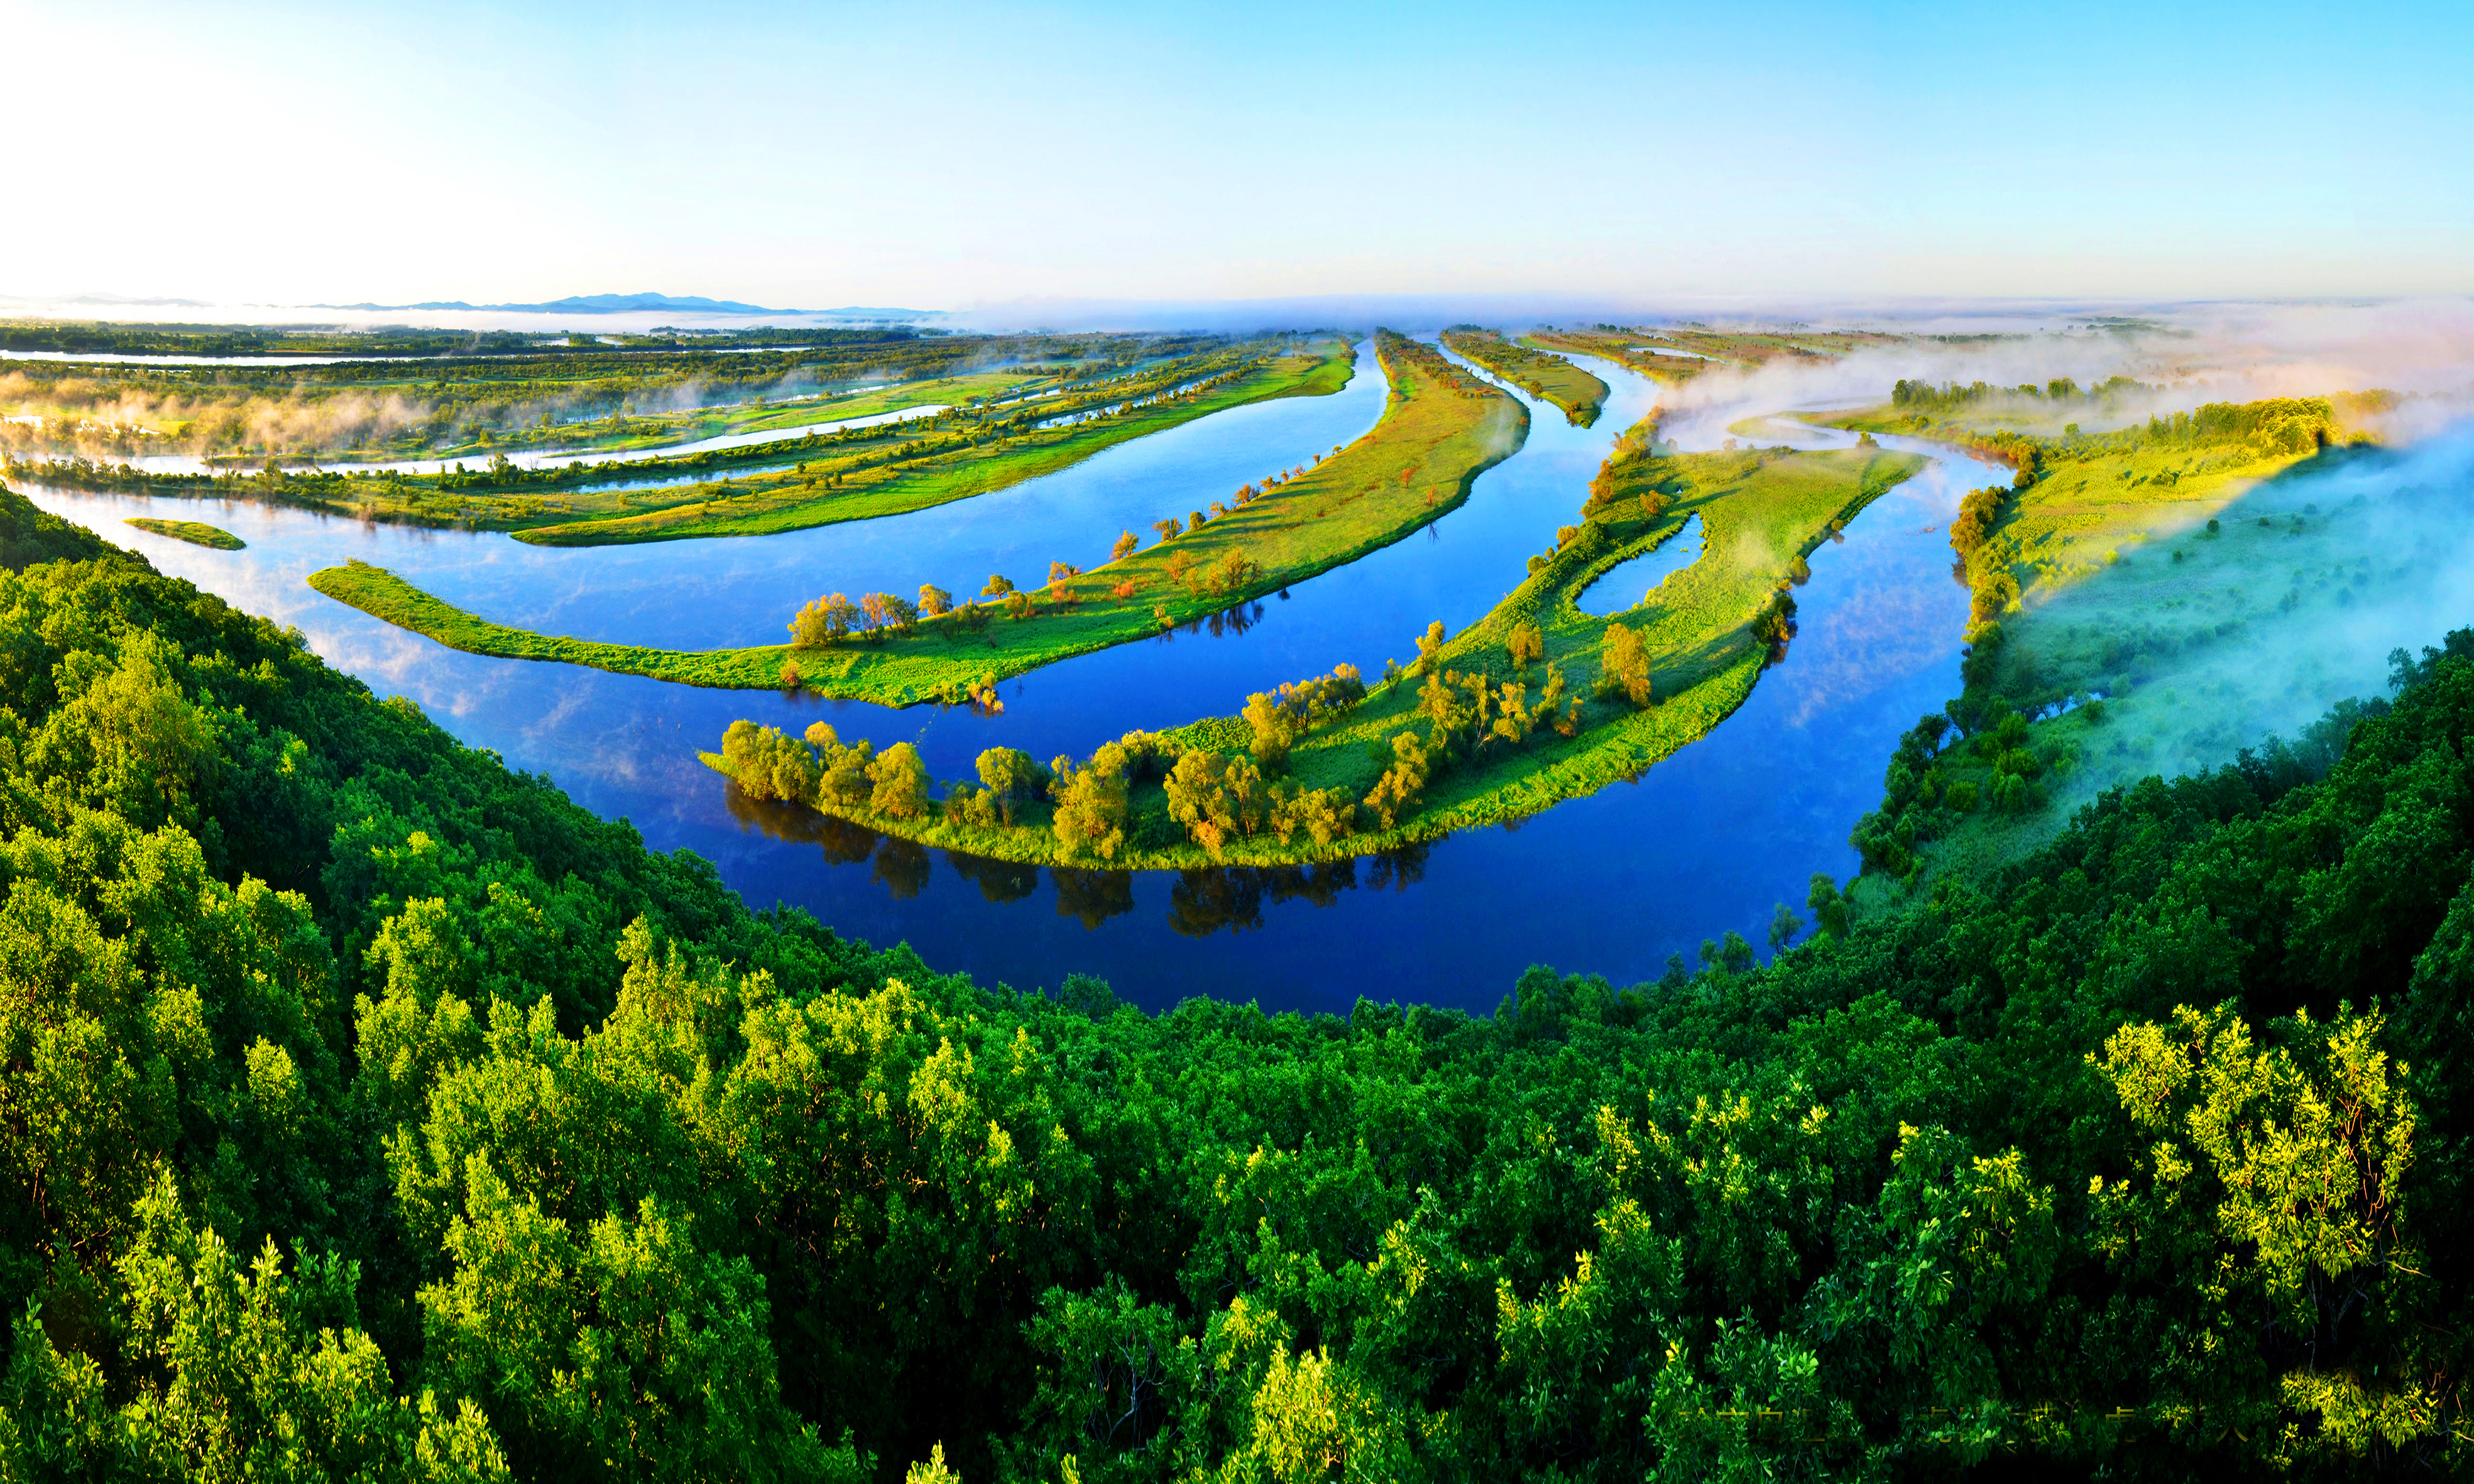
<point>535,458</point>
<point>1630,583</point>
<point>1703,843</point>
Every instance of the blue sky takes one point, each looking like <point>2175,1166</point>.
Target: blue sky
<point>947,156</point>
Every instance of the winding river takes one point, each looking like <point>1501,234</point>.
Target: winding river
<point>1704,842</point>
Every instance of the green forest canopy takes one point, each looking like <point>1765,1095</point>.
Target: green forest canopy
<point>371,1110</point>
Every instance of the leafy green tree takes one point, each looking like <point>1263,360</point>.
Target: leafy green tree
<point>1623,666</point>
<point>558,1159</point>
<point>901,782</point>
<point>621,1342</point>
<point>1829,908</point>
<point>1010,777</point>
<point>823,620</point>
<point>1092,805</point>
<point>1218,798</point>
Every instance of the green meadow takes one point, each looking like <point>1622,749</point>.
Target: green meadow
<point>1761,513</point>
<point>196,533</point>
<point>1438,432</point>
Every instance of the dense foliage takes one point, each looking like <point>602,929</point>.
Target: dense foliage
<point>371,1110</point>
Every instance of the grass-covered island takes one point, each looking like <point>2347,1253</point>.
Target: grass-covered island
<point>1438,430</point>
<point>982,442</point>
<point>196,533</point>
<point>375,1112</point>
<point>1535,703</point>
<point>1540,372</point>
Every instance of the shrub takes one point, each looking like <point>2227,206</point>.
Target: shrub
<point>1274,732</point>
<point>1396,793</point>
<point>1092,804</point>
<point>845,781</point>
<point>1231,575</point>
<point>1010,777</point>
<point>1527,645</point>
<point>766,764</point>
<point>1325,814</point>
<point>901,782</point>
<point>823,620</point>
<point>1217,798</point>
<point>1623,669</point>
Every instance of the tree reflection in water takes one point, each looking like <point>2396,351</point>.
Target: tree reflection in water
<point>843,843</point>
<point>902,864</point>
<point>1235,620</point>
<point>997,881</point>
<point>1092,896</point>
<point>1203,901</point>
<point>1231,897</point>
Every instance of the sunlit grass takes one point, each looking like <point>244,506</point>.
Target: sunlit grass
<point>1413,466</point>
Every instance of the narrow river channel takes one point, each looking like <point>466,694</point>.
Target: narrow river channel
<point>1704,842</point>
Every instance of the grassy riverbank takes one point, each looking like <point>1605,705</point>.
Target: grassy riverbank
<point>2095,496</point>
<point>2181,572</point>
<point>471,394</point>
<point>957,457</point>
<point>824,477</point>
<point>1674,354</point>
<point>1702,635</point>
<point>1438,432</point>
<point>1538,373</point>
<point>196,533</point>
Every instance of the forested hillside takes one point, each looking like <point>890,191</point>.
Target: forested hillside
<point>370,1111</point>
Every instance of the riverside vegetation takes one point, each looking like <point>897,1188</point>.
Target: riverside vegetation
<point>1438,430</point>
<point>1679,352</point>
<point>2114,557</point>
<point>373,1112</point>
<point>1538,373</point>
<point>1535,703</point>
<point>422,394</point>
<point>196,533</point>
<point>825,477</point>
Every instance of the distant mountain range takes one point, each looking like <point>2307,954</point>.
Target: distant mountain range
<point>641,304</point>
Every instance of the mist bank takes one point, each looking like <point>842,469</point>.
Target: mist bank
<point>2210,641</point>
<point>2421,351</point>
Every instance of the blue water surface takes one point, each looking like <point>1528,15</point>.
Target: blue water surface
<point>1704,842</point>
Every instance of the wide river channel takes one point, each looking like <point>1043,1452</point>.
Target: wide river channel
<point>1704,842</point>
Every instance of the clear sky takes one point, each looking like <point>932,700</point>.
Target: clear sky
<point>944,155</point>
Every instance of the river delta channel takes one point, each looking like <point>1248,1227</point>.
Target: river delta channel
<point>1704,841</point>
